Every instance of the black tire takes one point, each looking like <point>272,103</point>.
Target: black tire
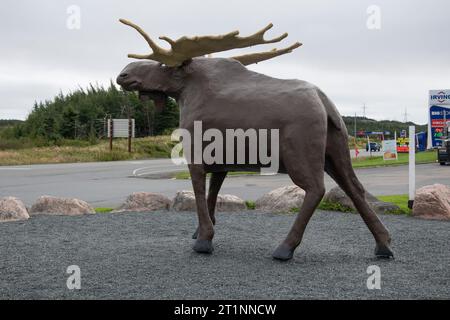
<point>442,163</point>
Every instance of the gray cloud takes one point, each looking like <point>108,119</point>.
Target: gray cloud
<point>389,69</point>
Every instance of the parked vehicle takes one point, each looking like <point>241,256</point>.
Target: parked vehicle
<point>373,147</point>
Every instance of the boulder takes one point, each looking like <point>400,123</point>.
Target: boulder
<point>61,206</point>
<point>230,203</point>
<point>281,200</point>
<point>432,202</point>
<point>145,201</point>
<point>185,201</point>
<point>12,209</point>
<point>337,195</point>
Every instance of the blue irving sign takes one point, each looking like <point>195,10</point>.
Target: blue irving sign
<point>438,116</point>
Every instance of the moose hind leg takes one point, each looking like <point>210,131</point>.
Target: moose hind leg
<point>215,183</point>
<point>342,172</point>
<point>203,243</point>
<point>285,250</point>
<point>304,165</point>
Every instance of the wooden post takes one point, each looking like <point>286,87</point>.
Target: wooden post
<point>111,133</point>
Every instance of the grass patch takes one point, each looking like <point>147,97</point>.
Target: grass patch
<point>400,200</point>
<point>251,205</point>
<point>81,151</point>
<point>403,158</point>
<point>103,210</point>
<point>26,151</point>
<point>330,206</point>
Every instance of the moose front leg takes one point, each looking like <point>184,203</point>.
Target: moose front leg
<point>203,244</point>
<point>215,183</point>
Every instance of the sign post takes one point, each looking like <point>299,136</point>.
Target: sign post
<point>412,166</point>
<point>121,128</point>
<point>130,131</point>
<point>111,130</point>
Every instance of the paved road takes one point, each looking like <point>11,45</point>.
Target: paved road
<point>106,184</point>
<point>148,255</point>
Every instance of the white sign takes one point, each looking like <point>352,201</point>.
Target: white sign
<point>121,128</point>
<point>390,150</point>
<point>439,97</point>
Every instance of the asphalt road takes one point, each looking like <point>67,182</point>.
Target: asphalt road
<point>107,184</point>
<point>148,255</point>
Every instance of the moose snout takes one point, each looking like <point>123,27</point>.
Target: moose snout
<point>122,77</point>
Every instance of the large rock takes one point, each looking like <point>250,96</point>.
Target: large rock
<point>432,202</point>
<point>282,199</point>
<point>61,206</point>
<point>145,201</point>
<point>12,209</point>
<point>185,201</point>
<point>338,196</point>
<point>230,203</point>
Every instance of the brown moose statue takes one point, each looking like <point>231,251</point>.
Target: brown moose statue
<point>223,94</point>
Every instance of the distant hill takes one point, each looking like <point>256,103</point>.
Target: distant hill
<point>366,124</point>
<point>9,122</point>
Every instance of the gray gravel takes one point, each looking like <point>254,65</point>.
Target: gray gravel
<point>148,255</point>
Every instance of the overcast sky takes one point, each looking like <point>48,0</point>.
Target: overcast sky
<point>389,69</point>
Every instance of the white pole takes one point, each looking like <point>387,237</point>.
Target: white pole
<point>412,165</point>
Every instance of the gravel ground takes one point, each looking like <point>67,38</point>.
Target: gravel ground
<point>149,256</point>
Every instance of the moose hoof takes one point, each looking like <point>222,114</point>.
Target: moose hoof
<point>283,253</point>
<point>195,234</point>
<point>383,251</point>
<point>203,246</point>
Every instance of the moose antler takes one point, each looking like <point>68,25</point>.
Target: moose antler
<point>187,48</point>
<point>251,58</point>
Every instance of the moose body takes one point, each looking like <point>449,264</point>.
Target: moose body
<point>223,94</point>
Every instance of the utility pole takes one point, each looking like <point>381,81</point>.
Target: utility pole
<point>364,110</point>
<point>405,115</point>
<point>355,127</point>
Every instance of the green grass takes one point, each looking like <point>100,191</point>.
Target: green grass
<point>71,151</point>
<point>251,205</point>
<point>403,158</point>
<point>330,206</point>
<point>103,210</point>
<point>38,151</point>
<point>366,162</point>
<point>400,200</point>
